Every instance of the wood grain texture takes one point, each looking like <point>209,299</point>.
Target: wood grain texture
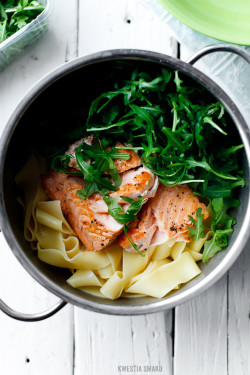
<point>106,344</point>
<point>201,333</point>
<point>108,24</point>
<point>239,315</point>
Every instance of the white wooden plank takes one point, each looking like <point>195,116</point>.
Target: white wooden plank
<point>108,24</point>
<point>42,347</point>
<point>201,333</point>
<point>239,316</point>
<point>109,344</point>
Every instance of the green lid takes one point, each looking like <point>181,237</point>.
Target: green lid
<point>226,20</point>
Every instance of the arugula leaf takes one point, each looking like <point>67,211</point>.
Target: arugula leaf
<point>116,210</point>
<point>221,226</point>
<point>210,249</point>
<point>92,175</point>
<point>91,188</point>
<point>126,228</point>
<point>222,221</point>
<point>204,164</point>
<point>197,231</point>
<point>208,120</point>
<point>173,139</point>
<point>61,163</point>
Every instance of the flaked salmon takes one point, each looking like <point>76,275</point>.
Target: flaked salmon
<point>163,217</point>
<point>122,165</point>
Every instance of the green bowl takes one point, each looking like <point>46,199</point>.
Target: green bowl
<point>226,20</point>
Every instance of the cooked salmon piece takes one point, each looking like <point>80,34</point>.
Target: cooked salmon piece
<point>137,182</point>
<point>89,218</point>
<point>163,217</point>
<point>122,165</point>
<point>125,165</point>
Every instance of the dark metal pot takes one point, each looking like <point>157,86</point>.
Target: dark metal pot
<point>51,95</point>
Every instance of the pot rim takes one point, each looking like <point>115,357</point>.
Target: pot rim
<point>156,305</point>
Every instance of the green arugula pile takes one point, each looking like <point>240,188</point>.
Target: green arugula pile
<point>15,14</point>
<point>181,132</point>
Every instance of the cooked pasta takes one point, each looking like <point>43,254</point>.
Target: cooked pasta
<point>111,272</point>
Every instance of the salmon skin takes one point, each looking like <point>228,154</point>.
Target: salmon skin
<point>122,165</point>
<point>163,217</point>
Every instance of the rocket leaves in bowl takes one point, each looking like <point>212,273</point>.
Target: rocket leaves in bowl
<point>15,14</point>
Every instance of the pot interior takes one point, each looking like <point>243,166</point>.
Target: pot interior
<point>55,107</point>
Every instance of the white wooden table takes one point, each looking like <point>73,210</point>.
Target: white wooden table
<point>209,335</point>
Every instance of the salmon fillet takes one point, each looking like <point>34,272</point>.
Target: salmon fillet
<point>122,165</point>
<point>89,218</point>
<point>163,217</point>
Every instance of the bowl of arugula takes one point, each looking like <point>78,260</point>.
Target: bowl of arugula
<point>186,130</point>
<point>22,22</point>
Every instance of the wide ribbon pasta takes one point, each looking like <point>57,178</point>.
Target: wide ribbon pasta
<point>109,273</point>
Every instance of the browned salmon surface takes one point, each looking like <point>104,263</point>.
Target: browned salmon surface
<point>89,218</point>
<point>163,217</point>
<point>137,182</point>
<point>125,165</point>
<point>122,165</point>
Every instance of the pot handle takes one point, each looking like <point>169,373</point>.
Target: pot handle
<point>31,317</point>
<point>219,48</point>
